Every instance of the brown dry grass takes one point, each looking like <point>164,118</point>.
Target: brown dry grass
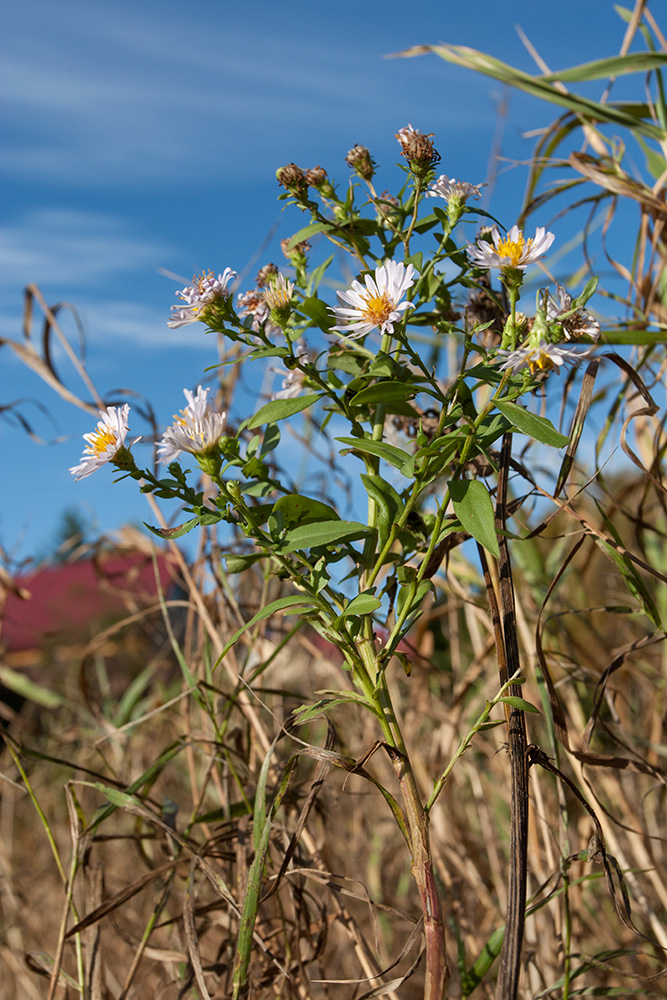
<point>345,911</point>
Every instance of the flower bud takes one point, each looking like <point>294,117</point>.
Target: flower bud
<point>317,177</point>
<point>361,161</point>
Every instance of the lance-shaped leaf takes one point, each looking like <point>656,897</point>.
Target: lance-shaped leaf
<point>474,509</point>
<point>307,536</point>
<point>530,424</point>
<point>279,409</point>
<point>297,601</point>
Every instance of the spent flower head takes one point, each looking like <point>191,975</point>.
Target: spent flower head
<point>253,304</point>
<point>197,429</point>
<point>579,323</point>
<point>376,303</point>
<point>204,298</point>
<point>265,274</point>
<point>418,149</point>
<point>106,443</point>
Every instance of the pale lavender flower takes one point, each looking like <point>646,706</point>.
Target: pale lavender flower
<point>540,357</point>
<point>197,429</point>
<point>378,303</point>
<point>511,251</point>
<point>104,443</point>
<point>200,295</point>
<point>449,188</point>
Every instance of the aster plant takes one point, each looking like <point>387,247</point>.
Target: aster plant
<point>365,377</point>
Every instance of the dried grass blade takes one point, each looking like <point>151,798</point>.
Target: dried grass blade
<point>191,935</point>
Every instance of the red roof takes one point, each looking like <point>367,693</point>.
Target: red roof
<point>71,601</point>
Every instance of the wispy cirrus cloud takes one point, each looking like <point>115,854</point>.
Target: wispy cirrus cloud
<point>73,248</point>
<point>107,95</point>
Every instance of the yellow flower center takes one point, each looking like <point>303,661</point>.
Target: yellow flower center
<point>541,363</point>
<point>378,308</point>
<point>200,280</point>
<point>514,249</point>
<point>277,298</point>
<point>100,441</point>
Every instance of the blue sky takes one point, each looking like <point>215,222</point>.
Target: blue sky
<point>143,137</point>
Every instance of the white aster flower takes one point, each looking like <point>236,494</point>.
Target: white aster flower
<point>294,381</point>
<point>203,292</point>
<point>580,324</point>
<point>197,429</point>
<point>540,357</point>
<point>511,251</point>
<point>449,188</point>
<point>378,303</point>
<point>104,443</point>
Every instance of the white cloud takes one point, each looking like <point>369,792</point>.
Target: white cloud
<point>110,94</point>
<point>71,249</point>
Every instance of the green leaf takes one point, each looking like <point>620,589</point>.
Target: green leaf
<point>279,409</point>
<point>349,362</point>
<point>599,69</point>
<point>181,529</point>
<point>268,352</point>
<point>387,502</point>
<point>384,392</point>
<point>531,425</point>
<point>362,604</point>
<point>271,439</point>
<point>633,580</point>
<point>474,509</point>
<point>25,688</point>
<point>395,456</point>
<point>521,703</point>
<point>297,509</point>
<point>301,601</point>
<point>305,713</point>
<point>239,563</point>
<point>308,231</point>
<point>541,87</point>
<point>318,311</point>
<point>307,536</point>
